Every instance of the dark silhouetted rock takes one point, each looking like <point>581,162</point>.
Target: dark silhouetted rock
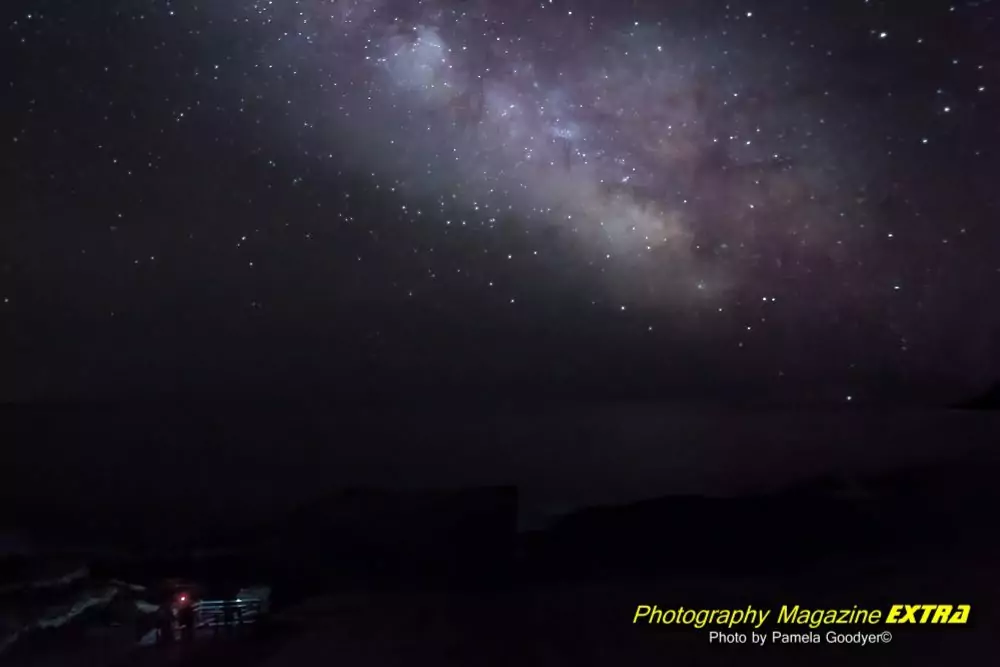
<point>374,536</point>
<point>917,510</point>
<point>988,400</point>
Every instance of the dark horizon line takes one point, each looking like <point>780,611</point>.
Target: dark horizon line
<point>382,387</point>
<point>458,396</point>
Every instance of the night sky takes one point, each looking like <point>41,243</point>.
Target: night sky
<point>689,198</point>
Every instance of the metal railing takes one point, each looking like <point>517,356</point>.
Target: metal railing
<point>218,613</point>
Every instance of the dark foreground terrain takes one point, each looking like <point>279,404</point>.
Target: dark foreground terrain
<point>590,623</point>
<point>389,575</point>
<point>391,578</point>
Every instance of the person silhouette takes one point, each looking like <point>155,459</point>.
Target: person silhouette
<point>165,624</point>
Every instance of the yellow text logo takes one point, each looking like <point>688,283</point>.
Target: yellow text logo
<point>928,613</point>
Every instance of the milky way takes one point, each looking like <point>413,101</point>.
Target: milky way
<point>694,168</point>
<point>798,194</point>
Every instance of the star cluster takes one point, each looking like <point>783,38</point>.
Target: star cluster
<point>778,186</point>
<point>679,167</point>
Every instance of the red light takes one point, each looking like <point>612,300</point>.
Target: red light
<point>182,597</point>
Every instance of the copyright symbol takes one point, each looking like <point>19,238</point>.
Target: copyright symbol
<point>886,637</point>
